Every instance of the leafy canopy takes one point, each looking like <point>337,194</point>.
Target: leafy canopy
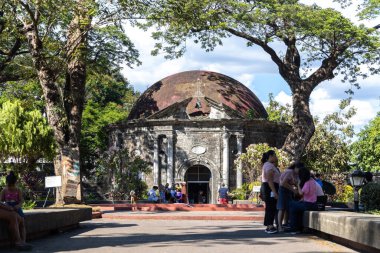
<point>12,46</point>
<point>106,42</point>
<point>366,150</point>
<point>305,41</point>
<point>108,100</point>
<point>328,151</point>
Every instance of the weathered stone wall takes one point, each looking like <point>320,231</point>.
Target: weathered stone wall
<point>189,140</point>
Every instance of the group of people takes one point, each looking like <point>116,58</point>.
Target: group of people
<point>167,194</point>
<point>11,201</point>
<point>287,195</point>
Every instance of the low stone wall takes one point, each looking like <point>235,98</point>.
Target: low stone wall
<point>40,222</point>
<point>356,229</point>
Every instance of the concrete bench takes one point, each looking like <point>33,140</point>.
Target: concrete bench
<point>357,230</point>
<point>40,222</point>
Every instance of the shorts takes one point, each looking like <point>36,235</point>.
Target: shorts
<point>223,201</point>
<point>19,210</point>
<point>284,197</point>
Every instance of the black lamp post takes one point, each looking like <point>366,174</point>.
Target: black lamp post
<point>357,181</point>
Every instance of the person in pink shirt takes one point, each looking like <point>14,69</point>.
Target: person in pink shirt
<point>286,192</point>
<point>307,189</point>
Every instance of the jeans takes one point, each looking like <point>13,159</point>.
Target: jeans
<point>285,196</point>
<point>297,208</point>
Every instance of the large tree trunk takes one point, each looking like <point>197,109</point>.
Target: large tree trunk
<point>303,124</point>
<point>67,134</point>
<point>64,106</point>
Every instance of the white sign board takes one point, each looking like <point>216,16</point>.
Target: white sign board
<point>256,188</point>
<point>54,181</point>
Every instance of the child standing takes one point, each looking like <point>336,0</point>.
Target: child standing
<point>12,196</point>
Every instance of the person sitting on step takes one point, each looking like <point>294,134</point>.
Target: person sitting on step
<point>11,211</point>
<point>152,195</point>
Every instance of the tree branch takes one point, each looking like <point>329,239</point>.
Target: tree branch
<point>260,43</point>
<point>29,11</point>
<point>11,54</point>
<point>326,70</point>
<point>292,57</point>
<point>9,77</point>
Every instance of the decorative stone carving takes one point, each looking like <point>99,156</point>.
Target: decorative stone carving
<point>198,150</point>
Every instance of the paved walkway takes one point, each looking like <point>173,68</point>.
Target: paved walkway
<point>105,235</point>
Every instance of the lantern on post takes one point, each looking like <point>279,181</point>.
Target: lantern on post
<point>357,181</point>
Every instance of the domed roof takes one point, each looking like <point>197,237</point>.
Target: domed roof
<point>198,86</point>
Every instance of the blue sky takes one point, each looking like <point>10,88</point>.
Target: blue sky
<point>252,67</point>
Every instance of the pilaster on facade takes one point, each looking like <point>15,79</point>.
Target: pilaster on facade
<point>239,170</point>
<point>226,158</point>
<point>170,155</point>
<point>155,161</point>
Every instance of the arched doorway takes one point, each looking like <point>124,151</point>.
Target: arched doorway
<point>198,180</point>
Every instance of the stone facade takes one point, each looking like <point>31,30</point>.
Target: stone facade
<point>197,148</point>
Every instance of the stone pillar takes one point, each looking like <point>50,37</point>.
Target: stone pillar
<point>155,162</point>
<point>226,159</point>
<point>239,171</point>
<point>170,167</point>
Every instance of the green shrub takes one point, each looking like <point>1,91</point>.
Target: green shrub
<point>345,194</point>
<point>29,204</point>
<point>239,194</point>
<point>375,212</point>
<point>370,196</point>
<point>251,160</point>
<point>243,192</point>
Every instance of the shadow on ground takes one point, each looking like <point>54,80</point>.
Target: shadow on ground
<point>96,235</point>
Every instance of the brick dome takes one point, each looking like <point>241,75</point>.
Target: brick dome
<point>198,86</point>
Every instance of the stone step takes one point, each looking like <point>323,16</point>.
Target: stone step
<point>41,222</point>
<point>179,207</point>
<point>257,216</point>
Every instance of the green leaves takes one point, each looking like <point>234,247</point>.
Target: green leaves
<point>118,172</point>
<point>25,134</point>
<point>278,112</point>
<point>110,46</point>
<point>368,9</point>
<point>251,160</point>
<point>328,151</point>
<point>366,150</point>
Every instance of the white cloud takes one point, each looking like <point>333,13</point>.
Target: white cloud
<point>283,98</point>
<point>246,79</point>
<point>366,111</point>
